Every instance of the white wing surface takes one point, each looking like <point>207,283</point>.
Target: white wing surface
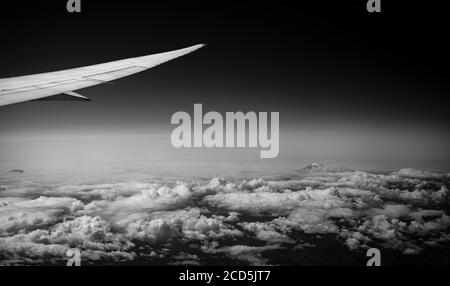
<point>61,85</point>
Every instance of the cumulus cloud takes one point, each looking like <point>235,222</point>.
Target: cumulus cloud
<point>251,254</point>
<point>92,236</point>
<point>184,258</point>
<point>275,202</point>
<point>152,198</point>
<point>360,207</point>
<point>19,215</point>
<point>188,223</point>
<point>267,232</point>
<point>242,220</point>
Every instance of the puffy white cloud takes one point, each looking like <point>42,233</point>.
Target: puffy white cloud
<point>232,217</point>
<point>184,258</point>
<point>188,223</point>
<point>87,232</point>
<point>406,211</point>
<point>92,236</point>
<point>251,254</point>
<point>18,214</point>
<point>390,232</point>
<point>276,202</point>
<point>372,206</point>
<point>217,185</point>
<point>307,220</point>
<point>391,210</point>
<point>267,232</point>
<point>154,198</point>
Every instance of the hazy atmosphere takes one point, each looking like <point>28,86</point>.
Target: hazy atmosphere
<point>369,92</point>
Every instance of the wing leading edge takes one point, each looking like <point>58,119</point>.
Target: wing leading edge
<point>61,85</point>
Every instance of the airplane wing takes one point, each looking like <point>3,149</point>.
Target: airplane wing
<point>61,85</point>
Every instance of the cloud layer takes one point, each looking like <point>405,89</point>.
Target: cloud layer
<point>224,221</point>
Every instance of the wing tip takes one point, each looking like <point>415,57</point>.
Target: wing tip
<point>195,47</point>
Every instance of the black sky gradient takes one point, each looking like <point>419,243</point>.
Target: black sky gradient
<point>324,65</point>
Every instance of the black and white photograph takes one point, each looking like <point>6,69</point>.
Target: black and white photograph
<point>228,134</point>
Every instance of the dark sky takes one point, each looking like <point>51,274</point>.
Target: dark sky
<point>346,83</point>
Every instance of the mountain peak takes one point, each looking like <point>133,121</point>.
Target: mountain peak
<point>322,168</point>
